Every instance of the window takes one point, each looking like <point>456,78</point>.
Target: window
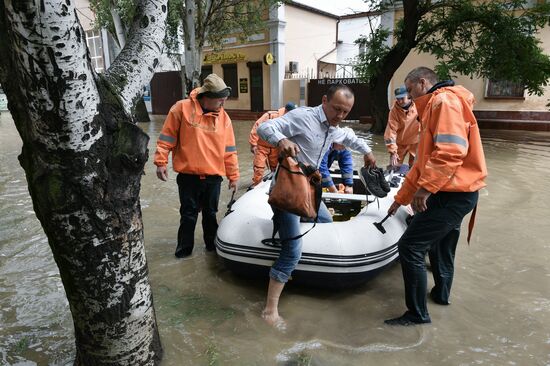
<point>93,40</point>
<point>231,79</point>
<point>205,71</point>
<point>504,89</point>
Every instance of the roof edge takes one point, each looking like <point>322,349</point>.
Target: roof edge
<point>312,10</point>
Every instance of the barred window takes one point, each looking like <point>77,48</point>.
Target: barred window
<point>93,40</point>
<point>504,89</point>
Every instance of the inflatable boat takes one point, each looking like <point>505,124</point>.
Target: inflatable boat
<point>347,252</point>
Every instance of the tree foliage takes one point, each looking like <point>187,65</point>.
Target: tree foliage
<point>490,39</point>
<point>216,19</point>
<point>102,9</point>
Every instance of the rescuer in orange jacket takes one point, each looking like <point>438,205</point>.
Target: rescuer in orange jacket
<point>262,150</point>
<point>200,136</point>
<point>401,135</point>
<point>442,188</point>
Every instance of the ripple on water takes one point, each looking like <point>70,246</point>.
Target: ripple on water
<point>299,347</point>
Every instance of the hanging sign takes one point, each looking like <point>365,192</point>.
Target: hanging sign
<point>243,85</point>
<point>222,58</point>
<point>269,59</point>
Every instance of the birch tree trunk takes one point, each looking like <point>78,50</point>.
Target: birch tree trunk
<point>119,27</point>
<point>83,161</point>
<point>192,52</point>
<point>378,86</point>
<point>140,112</point>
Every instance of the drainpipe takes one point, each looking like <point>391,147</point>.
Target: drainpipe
<point>329,52</point>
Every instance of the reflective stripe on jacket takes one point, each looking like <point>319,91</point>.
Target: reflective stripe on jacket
<point>201,143</point>
<point>402,129</point>
<point>254,139</point>
<point>450,154</point>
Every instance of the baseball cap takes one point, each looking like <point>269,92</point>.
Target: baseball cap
<point>214,87</point>
<point>290,106</point>
<point>400,92</point>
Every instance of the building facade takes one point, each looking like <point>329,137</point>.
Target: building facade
<point>499,104</point>
<point>300,43</point>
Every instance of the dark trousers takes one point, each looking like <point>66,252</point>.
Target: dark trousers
<point>196,195</point>
<point>434,231</point>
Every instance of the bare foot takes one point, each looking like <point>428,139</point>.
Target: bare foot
<point>274,320</point>
<point>270,318</point>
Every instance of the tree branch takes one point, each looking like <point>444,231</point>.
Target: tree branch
<point>54,80</point>
<point>134,66</point>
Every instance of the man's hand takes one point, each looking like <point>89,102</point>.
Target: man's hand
<point>393,208</point>
<point>332,189</point>
<point>419,200</point>
<point>253,149</point>
<point>348,190</point>
<point>233,184</point>
<point>369,159</point>
<point>394,159</point>
<point>288,147</point>
<point>162,173</point>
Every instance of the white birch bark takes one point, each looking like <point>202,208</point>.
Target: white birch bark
<point>65,67</point>
<point>134,66</point>
<point>119,28</point>
<point>192,52</point>
<point>83,161</point>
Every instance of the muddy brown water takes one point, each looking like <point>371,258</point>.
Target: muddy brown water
<point>500,311</point>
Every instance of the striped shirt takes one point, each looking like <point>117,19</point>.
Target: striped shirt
<point>308,128</point>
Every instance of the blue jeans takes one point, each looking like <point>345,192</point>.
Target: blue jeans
<point>291,250</point>
<point>434,231</point>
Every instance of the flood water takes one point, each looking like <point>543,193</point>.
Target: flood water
<point>500,311</point>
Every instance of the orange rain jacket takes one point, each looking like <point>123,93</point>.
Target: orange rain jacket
<point>264,150</point>
<point>201,143</point>
<point>402,131</point>
<point>450,154</point>
<point>254,139</point>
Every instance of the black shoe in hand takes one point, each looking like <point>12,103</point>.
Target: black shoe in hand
<point>382,179</point>
<point>372,183</point>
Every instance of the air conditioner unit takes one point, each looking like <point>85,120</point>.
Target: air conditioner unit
<point>293,66</point>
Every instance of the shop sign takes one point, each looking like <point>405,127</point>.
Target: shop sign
<point>269,59</point>
<point>221,58</point>
<point>345,81</point>
<point>243,85</point>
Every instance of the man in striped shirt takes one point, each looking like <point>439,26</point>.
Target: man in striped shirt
<point>306,133</point>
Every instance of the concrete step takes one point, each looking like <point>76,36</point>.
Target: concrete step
<point>513,124</point>
<point>243,115</point>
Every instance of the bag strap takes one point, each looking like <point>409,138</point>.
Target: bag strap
<point>471,224</point>
<point>300,172</point>
<point>277,242</point>
<point>274,242</point>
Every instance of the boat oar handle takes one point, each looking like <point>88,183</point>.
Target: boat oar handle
<point>384,219</point>
<point>379,225</point>
<point>231,202</point>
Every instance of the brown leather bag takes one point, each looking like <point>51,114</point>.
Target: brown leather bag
<point>297,189</point>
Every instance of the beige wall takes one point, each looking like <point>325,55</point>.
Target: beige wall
<point>253,53</point>
<point>291,91</point>
<point>84,13</point>
<point>308,36</point>
<point>477,86</point>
